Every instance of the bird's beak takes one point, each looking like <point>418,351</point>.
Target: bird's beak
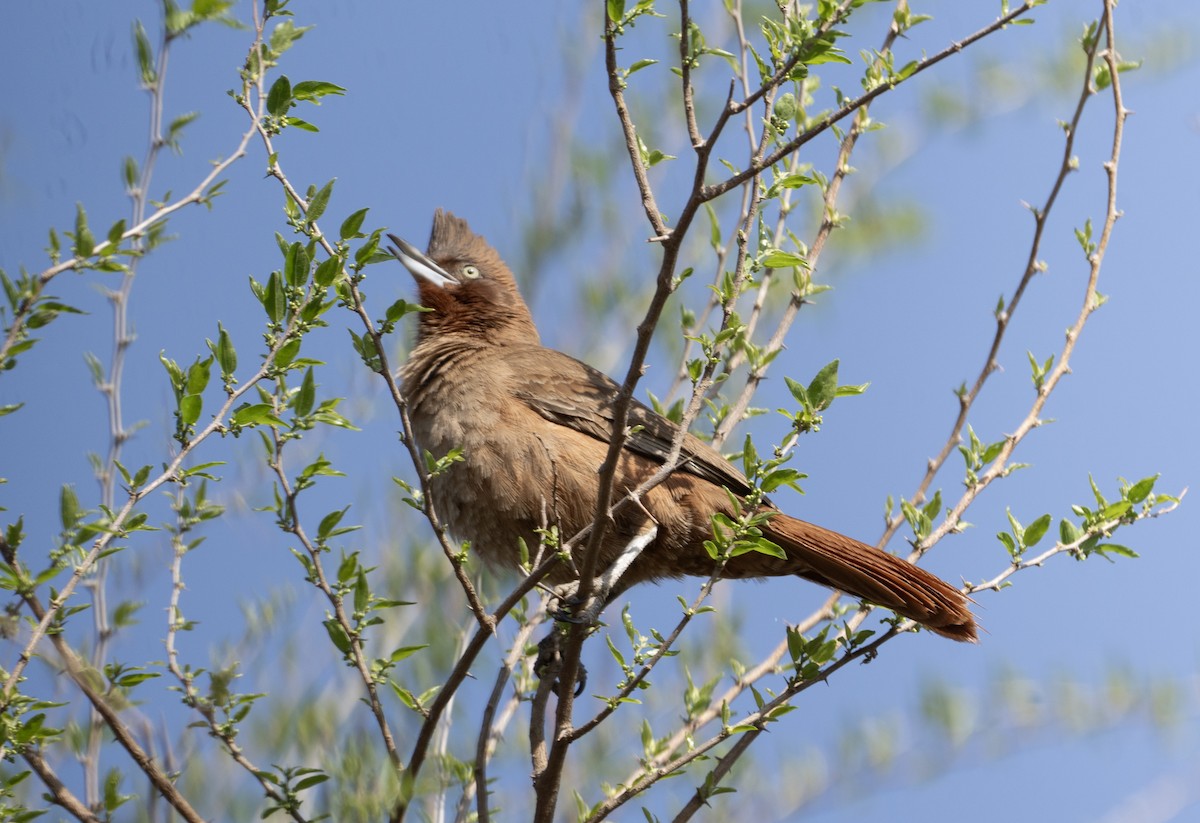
<point>420,265</point>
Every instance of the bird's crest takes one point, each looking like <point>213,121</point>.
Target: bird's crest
<point>483,302</point>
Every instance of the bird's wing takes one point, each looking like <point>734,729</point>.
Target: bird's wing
<point>570,393</point>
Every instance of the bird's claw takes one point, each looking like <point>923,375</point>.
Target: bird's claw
<point>549,662</point>
<point>569,606</point>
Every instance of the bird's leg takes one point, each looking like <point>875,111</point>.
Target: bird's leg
<point>612,574</point>
<point>606,584</point>
<point>549,661</point>
<point>607,587</point>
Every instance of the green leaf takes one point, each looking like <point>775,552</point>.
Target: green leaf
<point>309,782</point>
<point>362,593</point>
<point>831,56</point>
<point>1115,511</point>
<point>778,259</point>
<point>114,235</point>
<point>405,651</point>
<point>764,546</point>
<point>224,351</point>
<point>1140,490</point>
<point>318,202</point>
<point>313,90</point>
<point>145,55</point>
<point>85,244</point>
<point>795,181</point>
<point>782,477</point>
<point>823,388</point>
<point>68,507</point>
<point>190,407</point>
<point>1036,530</point>
<point>177,126</point>
<point>639,65</point>
<point>329,523</point>
<point>1117,549</point>
<point>295,267</point>
<point>287,353</point>
<point>279,98</point>
<point>714,227</point>
<point>173,372</point>
<point>400,308</point>
<point>1068,532</point>
<point>303,402</point>
<point>798,391</point>
<point>338,635</point>
<point>274,299</point>
<point>616,10</point>
<point>327,272</point>
<point>303,125</point>
<point>352,224</point>
<point>253,415</point>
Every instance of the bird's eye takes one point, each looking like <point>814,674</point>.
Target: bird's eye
<point>470,272</point>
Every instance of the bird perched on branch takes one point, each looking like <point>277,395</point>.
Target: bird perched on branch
<point>534,427</point>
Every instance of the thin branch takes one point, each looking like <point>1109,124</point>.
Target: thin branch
<point>664,648</point>
<point>616,88</point>
<point>491,728</point>
<point>192,697</point>
<point>115,527</point>
<point>59,793</point>
<point>764,667</point>
<point>1032,267</point>
<point>458,674</point>
<point>111,389</point>
<point>829,222</point>
<point>784,71</point>
<point>77,671</point>
<point>455,555</point>
<point>851,106</point>
<point>547,782</point>
<point>358,306</point>
<point>685,76</point>
<point>17,329</point>
<point>290,517</point>
<point>756,720</point>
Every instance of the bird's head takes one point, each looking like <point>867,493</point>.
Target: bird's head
<point>465,285</point>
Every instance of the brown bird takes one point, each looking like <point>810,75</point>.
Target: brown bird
<point>534,426</point>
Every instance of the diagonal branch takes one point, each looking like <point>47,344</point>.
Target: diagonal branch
<point>851,106</point>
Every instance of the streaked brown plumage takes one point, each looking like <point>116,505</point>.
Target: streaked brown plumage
<point>534,425</point>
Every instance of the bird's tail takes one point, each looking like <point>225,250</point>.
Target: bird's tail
<point>865,572</point>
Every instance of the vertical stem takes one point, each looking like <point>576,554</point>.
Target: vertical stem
<point>111,389</point>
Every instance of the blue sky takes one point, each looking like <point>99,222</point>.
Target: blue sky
<point>452,105</point>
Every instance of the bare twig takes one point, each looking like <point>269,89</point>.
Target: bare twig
<point>115,527</point>
<point>111,389</point>
<point>495,720</point>
<point>1033,265</point>
<point>192,696</point>
<point>17,328</point>
<point>434,712</point>
<point>86,683</point>
<point>685,75</point>
<point>851,106</point>
<point>61,795</point>
<point>290,517</point>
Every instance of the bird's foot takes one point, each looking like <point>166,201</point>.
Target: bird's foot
<point>571,608</point>
<point>568,593</point>
<point>549,662</point>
